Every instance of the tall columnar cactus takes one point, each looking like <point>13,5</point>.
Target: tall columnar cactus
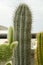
<point>39,50</point>
<point>22,26</point>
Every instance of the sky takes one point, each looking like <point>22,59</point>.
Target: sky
<point>8,8</point>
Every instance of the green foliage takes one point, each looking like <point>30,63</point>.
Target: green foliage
<point>39,50</point>
<point>22,27</point>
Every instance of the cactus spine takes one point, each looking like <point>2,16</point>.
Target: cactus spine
<point>22,26</point>
<point>39,50</point>
<point>10,35</point>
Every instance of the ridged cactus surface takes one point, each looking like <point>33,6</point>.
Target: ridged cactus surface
<point>22,27</point>
<point>39,50</point>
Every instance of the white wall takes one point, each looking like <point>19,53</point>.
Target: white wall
<point>8,7</point>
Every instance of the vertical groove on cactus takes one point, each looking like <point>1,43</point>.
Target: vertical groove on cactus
<point>22,26</point>
<point>39,50</point>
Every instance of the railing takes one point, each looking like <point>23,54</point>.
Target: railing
<point>4,36</point>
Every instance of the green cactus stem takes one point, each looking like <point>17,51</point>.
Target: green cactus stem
<point>6,49</point>
<point>10,35</point>
<point>8,63</point>
<point>22,26</point>
<point>39,50</point>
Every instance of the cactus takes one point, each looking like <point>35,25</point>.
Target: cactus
<point>39,49</point>
<point>8,63</point>
<point>10,35</point>
<point>6,49</point>
<point>22,26</point>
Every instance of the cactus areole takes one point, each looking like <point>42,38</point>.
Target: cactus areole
<point>22,26</point>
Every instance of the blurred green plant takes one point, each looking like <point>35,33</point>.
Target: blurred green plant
<point>6,49</point>
<point>39,49</point>
<point>9,63</point>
